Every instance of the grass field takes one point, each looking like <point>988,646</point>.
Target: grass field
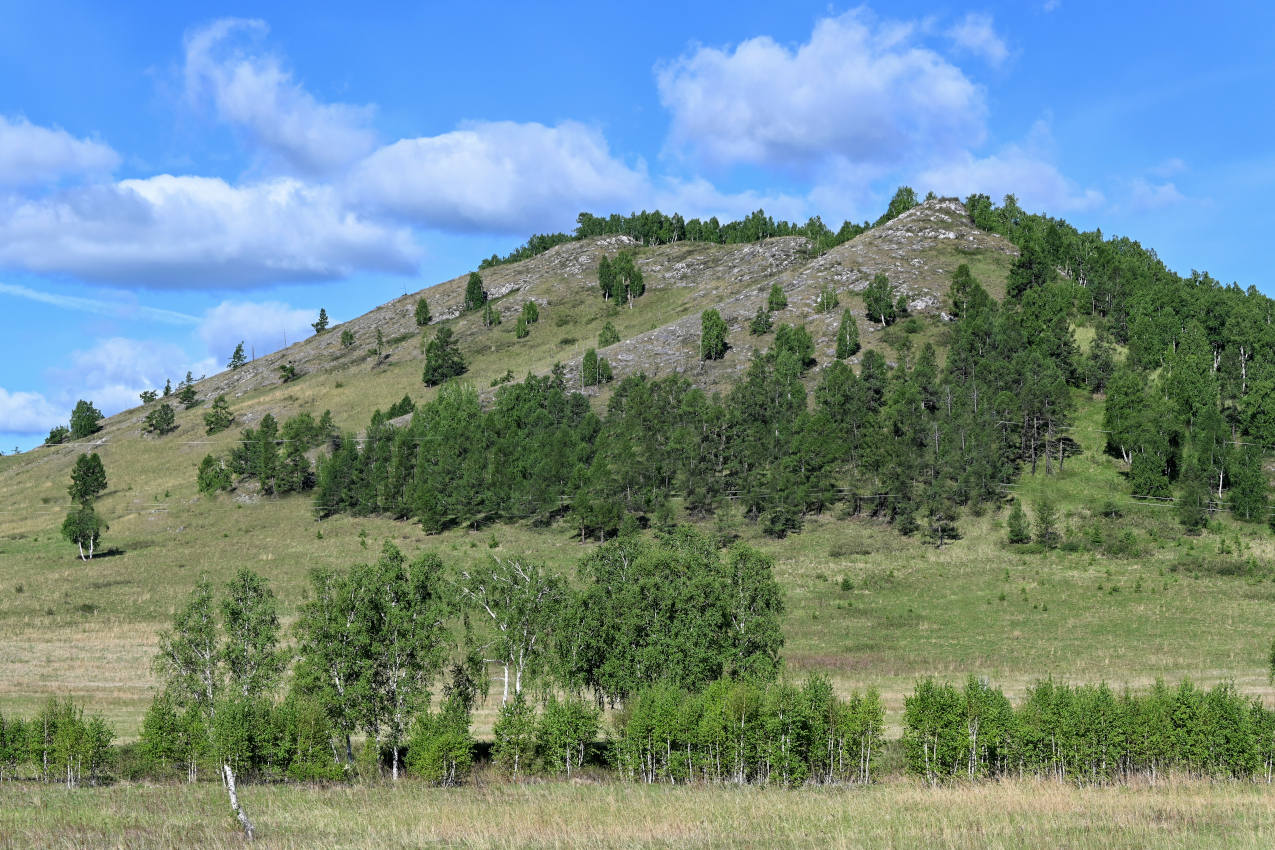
<point>896,814</point>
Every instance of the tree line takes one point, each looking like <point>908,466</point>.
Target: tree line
<point>1087,733</point>
<point>1189,407</point>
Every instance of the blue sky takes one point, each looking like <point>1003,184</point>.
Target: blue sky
<point>177,177</point>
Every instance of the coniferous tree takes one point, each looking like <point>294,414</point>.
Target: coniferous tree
<point>847,336</point>
<point>443,359</point>
<point>147,396</point>
<point>589,369</point>
<point>713,343</point>
<point>218,418</point>
<point>1248,494</point>
<point>58,434</point>
<point>1194,499</point>
<point>608,335</point>
<point>321,324</point>
<point>238,358</point>
<point>160,421</point>
<point>423,316</point>
<point>1047,533</point>
<point>475,295</point>
<point>1016,523</point>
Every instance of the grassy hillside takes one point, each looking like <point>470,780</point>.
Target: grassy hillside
<point>1127,599</point>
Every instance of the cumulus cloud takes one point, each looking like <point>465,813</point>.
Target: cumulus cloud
<point>262,326</point>
<point>496,176</point>
<point>113,371</point>
<point>1145,195</point>
<point>1026,170</point>
<point>27,413</point>
<point>859,89</point>
<point>31,155</point>
<point>188,232</point>
<point>254,91</point>
<point>975,34</point>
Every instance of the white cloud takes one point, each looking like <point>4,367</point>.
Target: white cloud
<point>698,198</point>
<point>860,89</point>
<point>262,326</point>
<point>1169,167</point>
<point>496,176</point>
<point>253,90</point>
<point>31,155</point>
<point>28,413</point>
<point>976,34</point>
<point>190,232</point>
<point>121,309</point>
<point>114,370</point>
<point>1145,195</point>
<point>1026,170</point>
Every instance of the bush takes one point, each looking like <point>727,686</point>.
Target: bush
<point>440,749</point>
<point>565,730</point>
<point>513,736</point>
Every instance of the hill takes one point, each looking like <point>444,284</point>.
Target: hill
<point>866,605</point>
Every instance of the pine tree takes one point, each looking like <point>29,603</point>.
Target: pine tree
<point>218,418</point>
<point>160,421</point>
<point>1248,494</point>
<point>322,324</point>
<point>1047,523</point>
<point>1019,532</point>
<point>238,358</point>
<point>847,336</point>
<point>608,335</point>
<point>589,369</point>
<point>475,295</point>
<point>443,359</point>
<point>423,316</point>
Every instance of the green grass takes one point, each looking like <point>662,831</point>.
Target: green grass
<point>896,814</point>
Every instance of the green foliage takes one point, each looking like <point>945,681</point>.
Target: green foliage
<point>443,359</point>
<point>594,370</point>
<point>530,312</point>
<point>84,528</point>
<point>513,737</point>
<point>797,342</point>
<point>565,730</point>
<point>1047,533</point>
<point>58,434</point>
<point>423,316</point>
<point>777,299</point>
<point>760,323</point>
<point>441,749</point>
<point>218,417</point>
<point>250,618</point>
<point>620,278</point>
<point>1086,734</point>
<point>475,295</point>
<point>847,336</point>
<point>827,300</point>
<point>904,199</point>
<point>347,338</point>
<point>713,330</point>
<point>160,421</point>
<point>608,335</point>
<point>623,633</point>
<point>879,301</point>
<point>238,358</point>
<point>187,396</point>
<point>521,331</point>
<point>147,396</point>
<point>1016,523</point>
<point>288,373</point>
<point>88,479</point>
<point>85,420</point>
<point>321,324</point>
<point>737,731</point>
<point>402,407</point>
<point>491,316</point>
<point>213,476</point>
